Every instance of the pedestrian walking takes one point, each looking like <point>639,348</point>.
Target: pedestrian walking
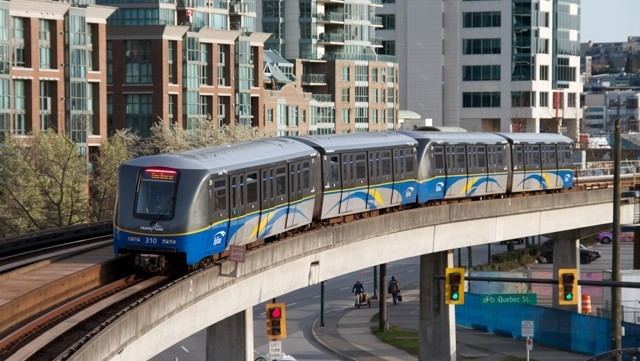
<point>394,289</point>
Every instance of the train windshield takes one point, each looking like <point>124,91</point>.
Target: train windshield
<point>156,193</point>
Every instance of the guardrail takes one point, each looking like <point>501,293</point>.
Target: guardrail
<point>38,240</point>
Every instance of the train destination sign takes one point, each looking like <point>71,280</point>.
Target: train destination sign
<point>510,298</point>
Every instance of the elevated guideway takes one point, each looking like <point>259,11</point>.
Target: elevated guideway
<point>218,293</point>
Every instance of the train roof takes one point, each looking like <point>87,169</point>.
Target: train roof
<point>457,137</point>
<point>230,157</point>
<point>545,138</point>
<point>357,141</point>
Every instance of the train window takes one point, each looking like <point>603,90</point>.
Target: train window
<point>517,159</point>
<point>460,158</point>
<point>499,156</point>
<point>220,196</point>
<point>252,188</point>
<point>281,182</point>
<point>481,154</point>
<point>386,163</point>
<point>409,161</point>
<point>438,157</point>
<point>361,167</point>
<point>334,167</point>
<point>234,193</point>
<point>451,156</point>
<point>306,176</point>
<point>156,194</point>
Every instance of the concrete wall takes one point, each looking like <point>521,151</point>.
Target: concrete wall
<point>208,297</point>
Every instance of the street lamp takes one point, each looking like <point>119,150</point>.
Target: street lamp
<point>616,294</point>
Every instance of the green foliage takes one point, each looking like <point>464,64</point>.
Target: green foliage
<point>401,338</point>
<point>43,185</point>
<point>508,261</point>
<point>104,178</point>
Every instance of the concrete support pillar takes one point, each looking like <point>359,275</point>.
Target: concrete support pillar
<point>566,254</point>
<point>437,325</point>
<point>232,338</point>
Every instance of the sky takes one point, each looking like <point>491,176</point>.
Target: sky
<point>609,20</point>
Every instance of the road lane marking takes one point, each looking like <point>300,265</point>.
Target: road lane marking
<point>344,288</point>
<point>316,296</point>
<point>185,349</point>
<point>292,304</point>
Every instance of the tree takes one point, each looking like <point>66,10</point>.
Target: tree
<point>103,182</point>
<point>43,184</point>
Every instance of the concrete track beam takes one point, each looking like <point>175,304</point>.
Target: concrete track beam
<point>566,254</point>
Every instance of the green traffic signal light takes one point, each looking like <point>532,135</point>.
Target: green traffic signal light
<point>568,296</point>
<point>454,296</point>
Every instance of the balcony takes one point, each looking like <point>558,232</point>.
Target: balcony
<point>332,17</point>
<point>376,3</point>
<point>322,97</point>
<point>331,38</point>
<point>376,22</point>
<point>331,1</point>
<point>377,43</point>
<point>314,79</point>
<point>220,4</point>
<point>367,57</point>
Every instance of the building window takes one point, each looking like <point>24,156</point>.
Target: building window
<point>172,59</point>
<point>523,99</point>
<point>269,115</point>
<point>46,104</point>
<point>544,99</point>
<point>293,116</point>
<point>45,44</point>
<point>222,111</point>
<point>362,94</point>
<point>485,19</point>
<point>388,47</point>
<point>344,94</point>
<point>362,115</point>
<point>481,100</point>
<point>362,73</point>
<point>480,72</point>
<point>388,21</point>
<point>543,46</point>
<point>481,46</point>
<point>345,73</point>
<point>564,72</point>
<point>138,62</point>
<point>390,94</point>
<point>19,107</point>
<point>345,116</point>
<point>544,72</point>
<point>18,42</point>
<point>391,116</point>
<point>109,62</point>
<point>139,115</point>
<point>374,75</point>
<point>172,111</point>
<point>223,50</point>
<point>205,68</point>
<point>571,100</point>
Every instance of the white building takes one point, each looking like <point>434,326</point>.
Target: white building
<point>491,65</point>
<point>601,110</point>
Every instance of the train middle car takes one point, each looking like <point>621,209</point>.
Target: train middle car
<point>195,204</point>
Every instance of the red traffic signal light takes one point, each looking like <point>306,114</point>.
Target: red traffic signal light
<point>454,286</point>
<point>276,321</point>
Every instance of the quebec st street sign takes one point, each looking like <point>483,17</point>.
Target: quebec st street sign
<point>510,298</point>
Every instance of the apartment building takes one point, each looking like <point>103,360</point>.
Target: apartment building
<point>488,65</point>
<point>177,62</point>
<point>53,70</point>
<point>353,88</point>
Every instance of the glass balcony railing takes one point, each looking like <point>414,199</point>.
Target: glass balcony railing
<point>322,97</point>
<point>335,17</point>
<point>377,21</point>
<point>331,37</point>
<point>367,57</point>
<point>314,78</point>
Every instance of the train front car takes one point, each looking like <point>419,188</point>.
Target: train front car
<point>541,161</point>
<point>159,215</point>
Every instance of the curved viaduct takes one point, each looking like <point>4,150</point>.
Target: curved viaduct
<point>306,259</point>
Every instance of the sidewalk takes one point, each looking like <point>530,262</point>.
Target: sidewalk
<point>348,334</point>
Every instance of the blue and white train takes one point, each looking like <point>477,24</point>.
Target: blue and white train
<point>184,208</point>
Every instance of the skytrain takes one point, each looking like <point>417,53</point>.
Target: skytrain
<point>176,210</point>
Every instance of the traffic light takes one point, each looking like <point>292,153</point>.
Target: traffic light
<point>276,321</point>
<point>454,286</point>
<point>567,286</point>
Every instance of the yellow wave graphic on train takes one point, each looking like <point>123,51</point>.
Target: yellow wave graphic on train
<point>376,196</point>
<point>547,180</point>
<point>261,225</point>
<point>469,184</point>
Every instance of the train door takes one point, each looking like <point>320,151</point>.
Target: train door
<point>399,175</point>
<point>245,204</point>
<point>404,176</point>
<point>380,179</point>
<point>354,183</point>
<point>532,178</point>
<point>332,186</point>
<point>432,187</point>
<point>456,171</point>
<point>477,165</point>
<point>517,157</point>
<point>236,198</point>
<point>218,215</point>
<point>273,210</point>
<point>295,193</point>
<point>549,173</point>
<point>304,205</point>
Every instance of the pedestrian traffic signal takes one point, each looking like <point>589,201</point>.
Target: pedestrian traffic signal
<point>454,286</point>
<point>276,321</point>
<point>567,286</point>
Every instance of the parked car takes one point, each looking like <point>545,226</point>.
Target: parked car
<point>605,237</point>
<point>587,255</point>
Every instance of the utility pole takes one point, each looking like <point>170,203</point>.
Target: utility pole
<point>383,326</point>
<point>616,293</point>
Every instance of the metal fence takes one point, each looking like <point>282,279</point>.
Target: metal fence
<point>561,329</point>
